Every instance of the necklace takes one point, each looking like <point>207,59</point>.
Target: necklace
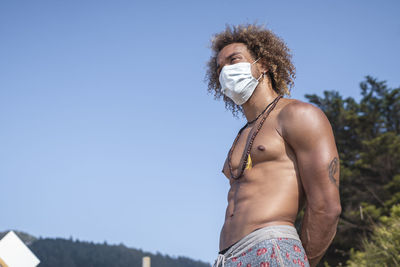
<point>269,108</point>
<point>258,116</point>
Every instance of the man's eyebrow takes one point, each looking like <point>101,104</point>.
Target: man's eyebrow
<point>231,55</point>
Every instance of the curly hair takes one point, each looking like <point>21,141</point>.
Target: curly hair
<point>261,43</point>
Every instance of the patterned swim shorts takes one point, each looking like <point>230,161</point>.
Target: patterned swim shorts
<point>270,252</point>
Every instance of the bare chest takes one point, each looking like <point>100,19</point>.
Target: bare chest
<point>267,146</point>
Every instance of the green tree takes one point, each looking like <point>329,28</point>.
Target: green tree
<point>383,248</point>
<point>368,141</point>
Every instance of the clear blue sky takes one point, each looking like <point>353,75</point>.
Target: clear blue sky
<point>107,131</point>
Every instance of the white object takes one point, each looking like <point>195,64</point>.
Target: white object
<point>237,82</point>
<point>146,261</point>
<point>14,253</point>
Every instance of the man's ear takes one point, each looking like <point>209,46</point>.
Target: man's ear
<point>262,64</point>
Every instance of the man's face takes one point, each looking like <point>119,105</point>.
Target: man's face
<point>235,53</point>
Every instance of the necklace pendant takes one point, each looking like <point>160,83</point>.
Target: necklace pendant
<point>249,164</point>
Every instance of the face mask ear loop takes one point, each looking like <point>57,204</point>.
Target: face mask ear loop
<point>262,75</point>
<point>255,61</point>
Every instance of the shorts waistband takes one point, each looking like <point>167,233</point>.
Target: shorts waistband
<point>259,235</point>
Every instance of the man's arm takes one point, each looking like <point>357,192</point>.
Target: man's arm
<point>309,133</point>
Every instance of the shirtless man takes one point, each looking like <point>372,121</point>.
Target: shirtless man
<point>283,159</point>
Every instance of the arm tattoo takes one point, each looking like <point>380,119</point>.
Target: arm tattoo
<point>333,168</point>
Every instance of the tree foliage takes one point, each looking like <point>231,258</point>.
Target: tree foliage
<point>62,252</point>
<point>368,141</point>
<point>68,253</point>
<point>383,248</point>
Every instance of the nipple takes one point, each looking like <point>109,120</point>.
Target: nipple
<point>261,148</point>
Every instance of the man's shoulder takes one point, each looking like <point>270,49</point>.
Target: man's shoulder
<point>296,109</point>
<point>296,115</point>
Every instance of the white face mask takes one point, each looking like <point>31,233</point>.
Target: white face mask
<point>237,82</point>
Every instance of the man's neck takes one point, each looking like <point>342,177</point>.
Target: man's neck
<point>262,96</point>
